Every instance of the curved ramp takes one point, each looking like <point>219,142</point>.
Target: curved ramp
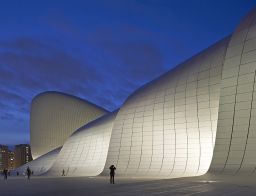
<point>40,165</point>
<point>85,152</point>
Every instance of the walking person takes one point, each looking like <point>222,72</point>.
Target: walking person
<point>63,172</point>
<point>28,173</point>
<point>112,174</point>
<point>5,174</point>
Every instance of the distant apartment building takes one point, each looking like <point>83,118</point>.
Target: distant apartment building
<point>10,160</point>
<point>4,155</point>
<point>22,155</point>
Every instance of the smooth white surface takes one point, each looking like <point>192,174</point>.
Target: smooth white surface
<point>54,117</point>
<point>85,152</point>
<point>235,147</point>
<point>167,128</point>
<point>40,165</point>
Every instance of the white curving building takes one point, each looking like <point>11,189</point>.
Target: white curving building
<point>85,152</point>
<point>55,116</point>
<point>199,117</point>
<point>40,165</point>
<point>235,147</point>
<point>167,128</point>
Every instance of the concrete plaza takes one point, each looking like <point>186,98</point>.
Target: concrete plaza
<point>205,185</point>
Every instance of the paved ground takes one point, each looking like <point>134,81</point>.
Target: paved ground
<point>127,186</point>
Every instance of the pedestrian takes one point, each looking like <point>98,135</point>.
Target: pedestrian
<point>28,173</point>
<point>63,172</point>
<point>17,173</point>
<point>5,174</point>
<point>112,174</point>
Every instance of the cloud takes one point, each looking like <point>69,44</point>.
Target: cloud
<point>25,45</point>
<point>32,66</point>
<point>28,67</point>
<point>7,116</point>
<point>42,59</point>
<point>44,62</point>
<point>133,52</point>
<point>140,61</point>
<point>13,97</point>
<point>13,106</point>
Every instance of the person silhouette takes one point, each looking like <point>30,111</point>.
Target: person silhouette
<point>112,174</point>
<point>28,173</point>
<point>5,174</point>
<point>63,172</point>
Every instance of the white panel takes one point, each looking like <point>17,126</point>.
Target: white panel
<point>236,116</point>
<point>54,117</point>
<point>85,152</point>
<point>177,134</point>
<point>40,165</point>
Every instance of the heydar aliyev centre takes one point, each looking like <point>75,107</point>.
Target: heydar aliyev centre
<point>198,118</point>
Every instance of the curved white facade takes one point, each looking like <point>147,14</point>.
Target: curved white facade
<point>85,152</point>
<point>40,165</point>
<point>167,128</point>
<point>197,117</point>
<point>54,117</point>
<point>235,147</point>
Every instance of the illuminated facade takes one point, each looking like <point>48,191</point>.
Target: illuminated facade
<point>167,128</point>
<point>11,165</point>
<point>54,117</point>
<point>194,119</point>
<point>85,152</point>
<point>4,157</point>
<point>234,151</point>
<point>41,164</point>
<point>22,155</point>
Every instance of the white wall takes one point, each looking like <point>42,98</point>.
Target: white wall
<point>85,152</point>
<point>40,165</point>
<point>235,147</point>
<point>54,117</point>
<point>167,128</point>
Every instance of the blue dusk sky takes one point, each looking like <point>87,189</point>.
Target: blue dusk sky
<point>98,50</point>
